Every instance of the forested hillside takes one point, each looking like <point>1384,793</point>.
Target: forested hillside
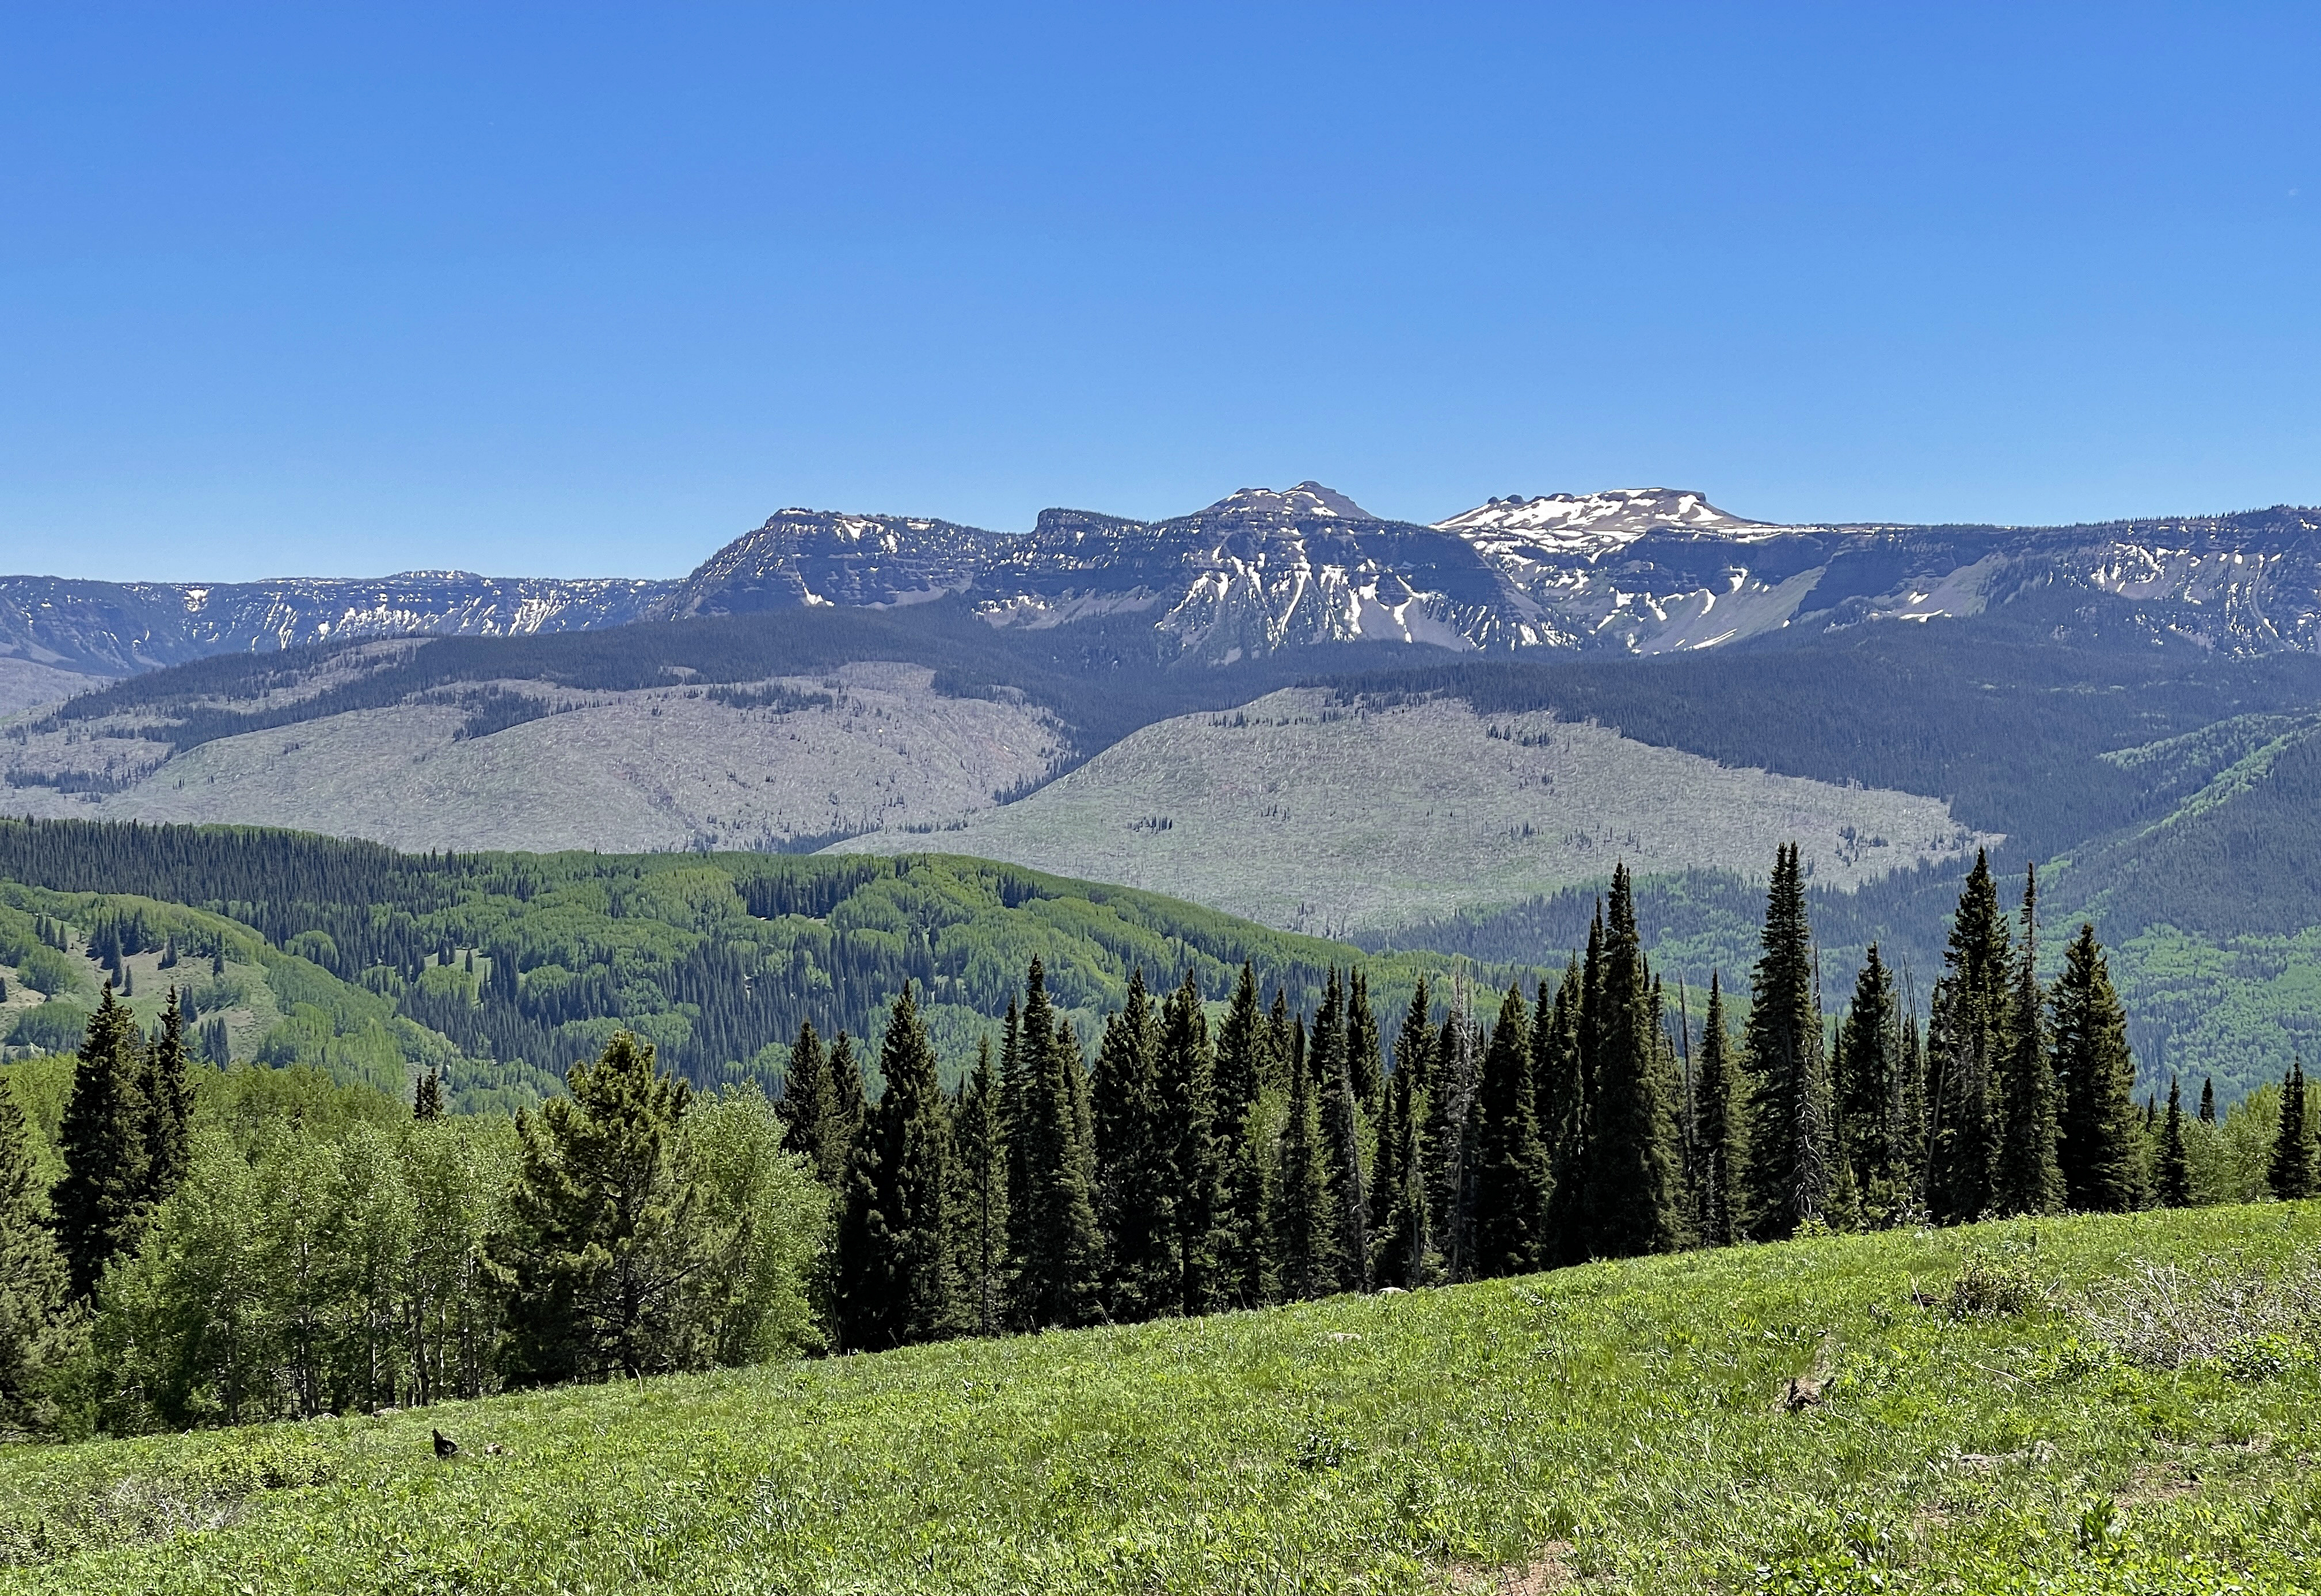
<point>526,964</point>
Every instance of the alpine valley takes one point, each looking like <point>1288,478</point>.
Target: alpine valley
<point>1426,737</point>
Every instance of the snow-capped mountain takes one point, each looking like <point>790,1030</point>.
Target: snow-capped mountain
<point>1633,571</point>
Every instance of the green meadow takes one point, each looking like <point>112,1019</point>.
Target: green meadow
<point>2125,1404</point>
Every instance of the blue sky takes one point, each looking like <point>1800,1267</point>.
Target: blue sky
<point>578,290</point>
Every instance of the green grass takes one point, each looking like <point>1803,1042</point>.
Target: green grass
<point>1616,1425</point>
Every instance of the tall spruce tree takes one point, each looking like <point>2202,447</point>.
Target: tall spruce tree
<point>1135,1192</point>
<point>1365,1060</point>
<point>1183,1089</point>
<point>1788,1128</point>
<point>1631,1198</point>
<point>1717,1128</point>
<point>2095,1074</point>
<point>168,1100</point>
<point>2208,1100</point>
<point>1056,1248</point>
<point>35,1327</point>
<point>1407,1254</point>
<point>1511,1173</point>
<point>2028,1175</point>
<point>895,1280</point>
<point>2174,1184</point>
<point>1243,1245</point>
<point>1335,1096</point>
<point>1865,1087</point>
<point>1559,1087</point>
<point>1967,1036</point>
<point>979,1149</point>
<point>1449,1138</point>
<point>98,1205</point>
<point>813,1126</point>
<point>2289,1176</point>
<point>427,1097</point>
<point>1305,1240</point>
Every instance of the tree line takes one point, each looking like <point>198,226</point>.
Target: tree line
<point>1182,1164</point>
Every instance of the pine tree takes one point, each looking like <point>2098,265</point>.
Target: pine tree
<point>2290,1175</point>
<point>1184,1084</point>
<point>1717,1128</point>
<point>1305,1259</point>
<point>980,1162</point>
<point>2208,1100</point>
<point>2028,1176</point>
<point>1866,1093</point>
<point>427,1097</point>
<point>2175,1176</point>
<point>1135,1196</point>
<point>602,1259</point>
<point>896,1283</point>
<point>1335,1094</point>
<point>1243,1245</point>
<point>1365,1063</point>
<point>2102,1169</point>
<point>167,1096</point>
<point>1450,1138</point>
<point>1788,1131</point>
<point>35,1328</point>
<point>847,1092</point>
<point>809,1109</point>
<point>1511,1175</point>
<point>1055,1247</point>
<point>99,1202</point>
<point>1407,1255</point>
<point>1967,1036</point>
<point>1560,1088</point>
<point>1631,1198</point>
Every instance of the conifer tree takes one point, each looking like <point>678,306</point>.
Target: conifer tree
<point>1348,1213</point>
<point>1867,1091</point>
<point>1406,1255</point>
<point>2028,1176</point>
<point>896,1283</point>
<point>1184,1086</point>
<point>1135,1195</point>
<point>99,1202</point>
<point>1055,1247</point>
<point>1559,1087</point>
<point>2174,1185</point>
<point>427,1097</point>
<point>2102,1169</point>
<point>1717,1128</point>
<point>167,1095</point>
<point>809,1109</point>
<point>1243,1245</point>
<point>847,1092</point>
<point>1305,1260</point>
<point>1449,1140</point>
<point>1789,1130</point>
<point>1631,1198</point>
<point>1288,1039</point>
<point>1365,1061</point>
<point>35,1328</point>
<point>602,1259</point>
<point>980,1161</point>
<point>1242,1041</point>
<point>2289,1176</point>
<point>1967,1036</point>
<point>2208,1100</point>
<point>1511,1173</point>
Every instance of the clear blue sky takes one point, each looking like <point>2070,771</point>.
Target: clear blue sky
<point>565,289</point>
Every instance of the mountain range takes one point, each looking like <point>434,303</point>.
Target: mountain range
<point>1627,572</point>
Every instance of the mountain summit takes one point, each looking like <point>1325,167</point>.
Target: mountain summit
<point>1307,498</point>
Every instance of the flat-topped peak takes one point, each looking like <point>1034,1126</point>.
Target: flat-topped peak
<point>1307,498</point>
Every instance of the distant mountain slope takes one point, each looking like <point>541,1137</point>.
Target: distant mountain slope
<point>109,629</point>
<point>1624,572</point>
<point>1321,812</point>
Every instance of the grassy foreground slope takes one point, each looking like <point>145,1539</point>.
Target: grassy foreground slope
<point>1616,1427</point>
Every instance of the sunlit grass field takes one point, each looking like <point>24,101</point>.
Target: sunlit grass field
<point>2085,1405</point>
